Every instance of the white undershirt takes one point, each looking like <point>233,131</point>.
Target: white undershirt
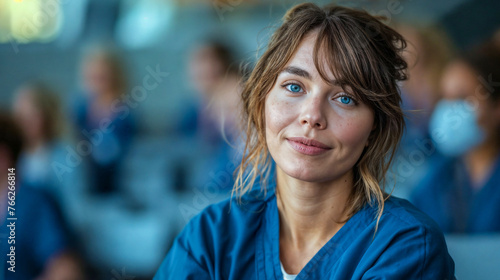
<point>287,276</point>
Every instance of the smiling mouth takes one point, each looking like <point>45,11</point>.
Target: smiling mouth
<point>307,146</point>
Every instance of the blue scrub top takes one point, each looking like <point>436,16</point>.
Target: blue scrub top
<point>39,234</point>
<point>447,195</point>
<point>241,241</point>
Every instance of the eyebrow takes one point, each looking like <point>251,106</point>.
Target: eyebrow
<point>303,73</point>
<point>297,71</point>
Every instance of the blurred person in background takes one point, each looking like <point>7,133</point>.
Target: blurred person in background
<point>429,50</point>
<point>103,119</point>
<point>216,77</point>
<point>462,193</point>
<point>37,112</point>
<point>42,249</point>
<point>43,161</point>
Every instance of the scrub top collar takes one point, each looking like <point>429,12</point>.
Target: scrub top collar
<point>268,265</point>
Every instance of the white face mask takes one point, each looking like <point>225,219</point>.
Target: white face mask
<point>453,127</point>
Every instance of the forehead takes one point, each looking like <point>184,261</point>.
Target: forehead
<point>97,62</point>
<point>24,94</point>
<point>304,57</point>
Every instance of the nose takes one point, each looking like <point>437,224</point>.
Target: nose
<point>312,113</point>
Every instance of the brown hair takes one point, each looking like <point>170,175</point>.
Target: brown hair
<point>432,50</point>
<point>112,58</point>
<point>363,54</point>
<point>46,101</point>
<point>484,60</point>
<point>10,137</point>
<point>225,55</point>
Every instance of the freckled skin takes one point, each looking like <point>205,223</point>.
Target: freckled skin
<point>316,113</point>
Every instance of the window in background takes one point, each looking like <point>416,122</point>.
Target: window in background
<point>28,21</point>
<point>143,23</point>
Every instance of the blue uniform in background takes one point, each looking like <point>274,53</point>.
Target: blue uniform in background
<point>447,195</point>
<point>109,146</point>
<point>241,241</point>
<point>39,234</point>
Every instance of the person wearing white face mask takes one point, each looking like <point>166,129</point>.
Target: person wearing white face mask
<point>463,192</point>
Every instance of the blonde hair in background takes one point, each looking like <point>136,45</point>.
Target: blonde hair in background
<point>363,54</point>
<point>430,49</point>
<point>112,58</point>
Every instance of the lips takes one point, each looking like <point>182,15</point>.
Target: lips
<point>307,146</point>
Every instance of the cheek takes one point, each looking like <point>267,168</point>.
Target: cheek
<point>355,130</point>
<point>278,113</point>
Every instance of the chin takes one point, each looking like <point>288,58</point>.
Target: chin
<point>304,174</point>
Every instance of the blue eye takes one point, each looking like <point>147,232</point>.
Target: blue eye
<point>293,88</point>
<point>346,100</point>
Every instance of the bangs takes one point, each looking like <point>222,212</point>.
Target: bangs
<point>347,50</point>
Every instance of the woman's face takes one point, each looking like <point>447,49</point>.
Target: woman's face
<point>98,76</point>
<point>206,70</point>
<point>315,132</point>
<point>28,116</point>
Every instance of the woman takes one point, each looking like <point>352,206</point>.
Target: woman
<point>37,111</point>
<point>462,192</point>
<point>102,120</point>
<point>427,54</point>
<point>322,102</point>
<point>217,83</point>
<point>216,78</point>
<point>42,248</point>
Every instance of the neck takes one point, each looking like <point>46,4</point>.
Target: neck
<point>311,213</point>
<point>480,160</point>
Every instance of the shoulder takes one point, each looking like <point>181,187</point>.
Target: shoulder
<point>225,221</point>
<point>400,216</point>
<point>401,211</point>
<point>229,211</point>
<point>32,197</point>
<point>221,232</point>
<point>406,231</point>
